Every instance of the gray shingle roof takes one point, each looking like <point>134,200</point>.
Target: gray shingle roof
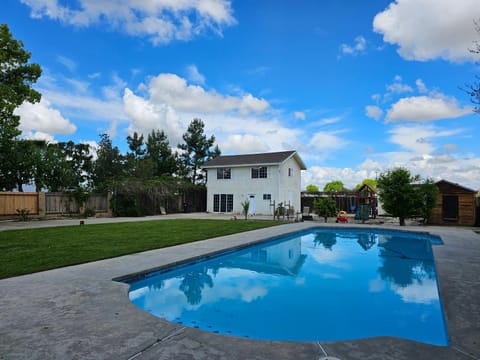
<point>273,158</point>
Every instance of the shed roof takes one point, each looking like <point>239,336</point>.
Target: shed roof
<point>454,185</point>
<point>260,159</point>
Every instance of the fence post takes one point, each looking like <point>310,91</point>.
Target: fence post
<point>41,204</point>
<point>109,200</point>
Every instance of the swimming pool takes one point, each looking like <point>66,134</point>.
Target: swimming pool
<point>324,284</point>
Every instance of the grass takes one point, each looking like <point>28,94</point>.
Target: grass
<point>32,250</point>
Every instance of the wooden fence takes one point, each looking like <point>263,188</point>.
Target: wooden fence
<point>45,204</point>
<point>10,202</point>
<point>57,203</point>
<point>61,204</point>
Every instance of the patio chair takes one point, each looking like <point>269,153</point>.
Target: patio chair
<point>306,213</point>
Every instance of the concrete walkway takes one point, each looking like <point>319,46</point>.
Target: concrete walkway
<point>79,312</point>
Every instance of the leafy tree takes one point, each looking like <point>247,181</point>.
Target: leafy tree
<point>109,165</point>
<point>334,186</point>
<point>370,182</point>
<point>79,164</point>
<point>311,188</point>
<point>27,161</point>
<point>66,166</point>
<point>16,78</point>
<point>325,207</point>
<point>54,166</point>
<point>160,154</point>
<point>39,151</point>
<point>134,160</point>
<point>398,195</point>
<point>196,150</point>
<point>136,145</point>
<point>428,199</point>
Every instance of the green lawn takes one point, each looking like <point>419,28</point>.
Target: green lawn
<point>31,250</point>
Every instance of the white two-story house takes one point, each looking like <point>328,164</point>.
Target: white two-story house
<point>262,179</point>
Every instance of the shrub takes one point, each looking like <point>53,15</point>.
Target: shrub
<point>325,207</point>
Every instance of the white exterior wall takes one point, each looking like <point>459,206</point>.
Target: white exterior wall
<point>290,186</point>
<point>278,184</point>
<point>241,185</point>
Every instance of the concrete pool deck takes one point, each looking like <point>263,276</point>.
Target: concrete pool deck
<point>79,312</point>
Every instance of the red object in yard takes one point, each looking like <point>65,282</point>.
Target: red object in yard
<point>342,216</point>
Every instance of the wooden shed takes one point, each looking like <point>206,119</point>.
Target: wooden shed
<point>456,205</point>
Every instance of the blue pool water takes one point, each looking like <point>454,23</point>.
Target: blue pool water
<point>320,285</point>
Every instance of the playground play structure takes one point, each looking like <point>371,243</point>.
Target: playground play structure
<point>363,203</point>
<point>367,203</point>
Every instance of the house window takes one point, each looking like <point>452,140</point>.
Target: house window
<point>267,196</point>
<point>290,172</point>
<point>259,172</point>
<point>223,203</point>
<point>224,173</point>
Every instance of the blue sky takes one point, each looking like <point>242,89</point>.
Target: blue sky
<point>356,87</point>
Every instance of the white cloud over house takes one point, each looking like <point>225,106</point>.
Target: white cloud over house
<point>241,123</point>
<point>174,90</point>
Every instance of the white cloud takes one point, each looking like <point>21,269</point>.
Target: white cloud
<point>324,143</point>
<point>240,123</point>
<point>68,63</point>
<point>234,133</point>
<point>174,90</point>
<point>399,88</point>
<point>194,75</point>
<point>38,135</point>
<point>419,138</point>
<point>358,47</point>
<point>160,21</point>
<point>244,144</point>
<point>422,88</point>
<point>146,116</point>
<point>300,115</point>
<point>112,91</point>
<point>456,168</point>
<point>430,29</point>
<point>75,99</point>
<point>426,108</point>
<point>373,112</point>
<point>95,75</point>
<point>41,117</point>
<point>328,121</point>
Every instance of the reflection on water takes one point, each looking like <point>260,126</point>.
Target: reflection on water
<point>365,283</point>
<point>193,283</point>
<point>366,241</point>
<point>284,258</point>
<point>405,261</point>
<point>326,239</point>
